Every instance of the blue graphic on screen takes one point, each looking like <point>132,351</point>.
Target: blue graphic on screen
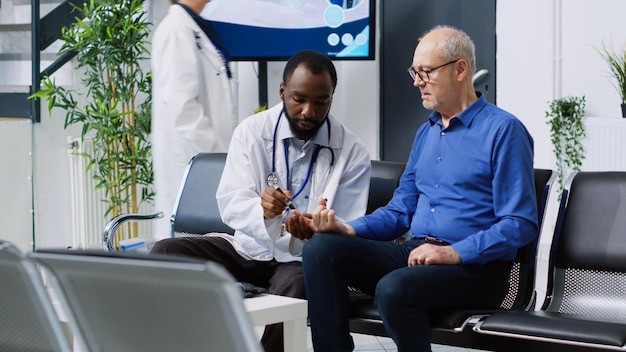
<point>275,29</point>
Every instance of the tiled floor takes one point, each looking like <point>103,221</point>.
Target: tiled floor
<point>383,344</point>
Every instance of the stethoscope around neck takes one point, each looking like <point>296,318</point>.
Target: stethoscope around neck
<point>316,153</point>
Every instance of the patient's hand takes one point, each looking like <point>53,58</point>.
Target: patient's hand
<point>433,254</point>
<point>324,220</point>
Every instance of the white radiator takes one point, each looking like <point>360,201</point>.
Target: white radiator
<point>605,144</point>
<point>88,205</point>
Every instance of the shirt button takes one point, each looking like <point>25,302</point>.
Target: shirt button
<point>432,210</point>
<point>443,133</point>
<point>439,158</point>
<point>436,186</point>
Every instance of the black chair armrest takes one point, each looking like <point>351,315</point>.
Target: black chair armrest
<point>108,234</point>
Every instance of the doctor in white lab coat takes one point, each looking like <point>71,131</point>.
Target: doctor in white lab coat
<point>193,109</point>
<point>298,147</point>
<point>249,163</point>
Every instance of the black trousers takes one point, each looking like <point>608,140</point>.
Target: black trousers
<point>284,279</point>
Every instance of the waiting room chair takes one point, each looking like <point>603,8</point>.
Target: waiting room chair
<point>450,327</point>
<point>28,321</point>
<point>585,304</point>
<point>195,212</point>
<point>138,302</point>
<point>384,180</point>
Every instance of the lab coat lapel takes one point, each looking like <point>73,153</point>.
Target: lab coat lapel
<point>328,177</point>
<point>322,175</point>
<point>279,153</point>
<point>209,51</point>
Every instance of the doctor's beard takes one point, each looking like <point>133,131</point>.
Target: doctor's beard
<point>303,134</point>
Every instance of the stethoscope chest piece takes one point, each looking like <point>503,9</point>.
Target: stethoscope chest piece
<point>272,180</point>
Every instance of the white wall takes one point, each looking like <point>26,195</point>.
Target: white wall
<point>546,53</point>
<point>16,220</point>
<point>526,74</point>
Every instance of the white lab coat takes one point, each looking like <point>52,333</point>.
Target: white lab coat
<point>193,109</point>
<point>244,179</point>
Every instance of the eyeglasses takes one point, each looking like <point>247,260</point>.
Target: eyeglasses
<point>424,75</point>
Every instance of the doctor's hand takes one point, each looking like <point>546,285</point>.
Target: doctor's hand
<point>433,254</point>
<point>324,220</point>
<point>297,225</point>
<point>274,202</point>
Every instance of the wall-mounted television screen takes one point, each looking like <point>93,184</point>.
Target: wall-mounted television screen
<point>273,30</point>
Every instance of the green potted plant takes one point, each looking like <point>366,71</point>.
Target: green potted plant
<point>113,107</point>
<point>565,118</point>
<point>617,66</point>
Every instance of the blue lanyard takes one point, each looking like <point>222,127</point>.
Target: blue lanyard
<point>286,148</point>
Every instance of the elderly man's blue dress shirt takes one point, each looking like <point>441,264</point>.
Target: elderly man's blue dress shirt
<point>470,184</point>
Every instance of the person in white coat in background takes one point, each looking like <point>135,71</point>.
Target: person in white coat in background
<point>193,108</point>
<point>293,153</point>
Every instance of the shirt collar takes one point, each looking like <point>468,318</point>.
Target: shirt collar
<point>466,116</point>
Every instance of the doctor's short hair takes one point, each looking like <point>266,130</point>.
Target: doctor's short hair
<point>314,61</point>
